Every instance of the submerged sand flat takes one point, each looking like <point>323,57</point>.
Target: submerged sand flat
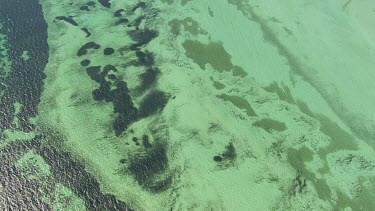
<point>207,105</point>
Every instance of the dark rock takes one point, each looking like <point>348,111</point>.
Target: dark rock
<point>123,121</point>
<point>84,8</point>
<point>112,77</point>
<point>145,59</point>
<point>105,3</point>
<point>90,3</point>
<point>108,68</point>
<point>148,167</point>
<point>85,62</point>
<point>142,37</point>
<point>67,19</point>
<point>90,45</point>
<point>137,22</point>
<point>124,106</point>
<point>230,152</point>
<point>94,73</point>
<point>146,141</point>
<point>135,139</point>
<point>108,51</point>
<point>158,186</point>
<point>101,93</point>
<point>88,34</point>
<point>122,20</point>
<point>139,5</point>
<point>118,13</point>
<point>122,100</point>
<point>148,78</point>
<point>154,102</point>
<point>218,158</point>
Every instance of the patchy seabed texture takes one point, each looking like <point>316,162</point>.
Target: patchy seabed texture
<point>187,105</point>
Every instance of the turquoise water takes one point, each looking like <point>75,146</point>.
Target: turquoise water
<point>187,105</point>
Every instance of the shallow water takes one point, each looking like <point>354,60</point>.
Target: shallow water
<point>187,105</point>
